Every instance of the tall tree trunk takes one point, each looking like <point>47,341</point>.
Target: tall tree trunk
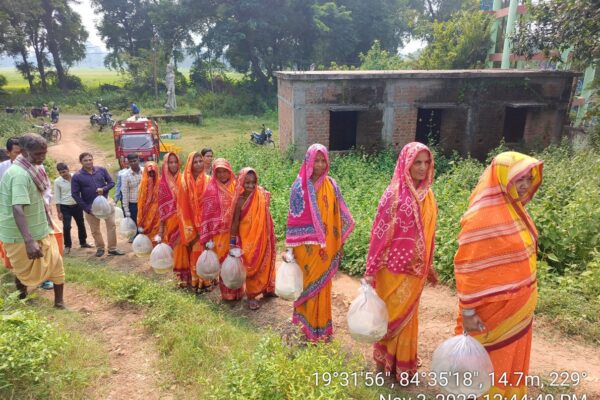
<point>27,70</point>
<point>47,19</point>
<point>39,56</point>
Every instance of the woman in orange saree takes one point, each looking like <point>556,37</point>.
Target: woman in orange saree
<point>318,224</point>
<point>252,228</point>
<point>190,194</point>
<point>400,257</point>
<point>217,215</point>
<point>495,268</point>
<point>169,231</point>
<point>148,218</point>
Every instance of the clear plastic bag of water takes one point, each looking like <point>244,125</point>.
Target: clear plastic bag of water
<point>367,315</point>
<point>233,272</point>
<point>466,365</point>
<point>142,245</point>
<point>161,258</point>
<point>289,280</point>
<point>127,228</point>
<point>207,265</point>
<point>101,208</point>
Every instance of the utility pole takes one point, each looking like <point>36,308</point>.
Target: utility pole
<point>154,71</point>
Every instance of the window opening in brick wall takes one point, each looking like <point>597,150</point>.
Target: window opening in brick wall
<point>514,124</point>
<point>429,124</point>
<point>342,130</point>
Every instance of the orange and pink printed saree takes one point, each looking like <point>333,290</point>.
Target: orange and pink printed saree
<point>400,259</point>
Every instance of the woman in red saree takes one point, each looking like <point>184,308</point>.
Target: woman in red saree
<point>190,194</point>
<point>169,231</point>
<point>148,218</point>
<point>318,224</point>
<point>252,228</point>
<point>495,268</point>
<point>217,214</point>
<point>400,257</point>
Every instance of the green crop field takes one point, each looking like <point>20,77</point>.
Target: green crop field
<point>91,78</point>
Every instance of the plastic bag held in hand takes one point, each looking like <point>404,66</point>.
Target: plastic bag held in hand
<point>119,216</point>
<point>289,280</point>
<point>142,245</point>
<point>127,228</point>
<point>367,315</point>
<point>161,258</point>
<point>233,272</point>
<point>467,365</point>
<point>208,265</point>
<point>101,208</point>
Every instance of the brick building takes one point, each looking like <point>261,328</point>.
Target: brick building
<point>465,110</point>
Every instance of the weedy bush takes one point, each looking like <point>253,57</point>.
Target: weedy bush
<point>12,125</point>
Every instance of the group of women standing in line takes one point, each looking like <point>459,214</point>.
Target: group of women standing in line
<point>494,265</point>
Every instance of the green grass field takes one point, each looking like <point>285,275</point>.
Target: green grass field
<point>91,78</point>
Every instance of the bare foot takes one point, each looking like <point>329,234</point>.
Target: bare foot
<point>253,304</point>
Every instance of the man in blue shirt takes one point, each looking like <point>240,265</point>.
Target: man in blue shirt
<point>88,183</point>
<point>135,110</point>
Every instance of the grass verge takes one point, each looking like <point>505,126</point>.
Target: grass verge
<point>217,355</point>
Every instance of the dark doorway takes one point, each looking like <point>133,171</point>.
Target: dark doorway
<point>429,123</point>
<point>342,130</point>
<point>514,124</point>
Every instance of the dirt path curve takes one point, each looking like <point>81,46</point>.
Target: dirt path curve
<point>131,351</point>
<point>552,352</point>
<point>72,143</point>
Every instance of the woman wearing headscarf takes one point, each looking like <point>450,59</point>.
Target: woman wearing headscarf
<point>252,228</point>
<point>400,257</point>
<point>190,199</point>
<point>217,215</point>
<point>148,217</point>
<point>169,231</point>
<point>495,268</point>
<point>318,224</point>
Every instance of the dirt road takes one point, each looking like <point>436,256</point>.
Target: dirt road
<point>552,352</point>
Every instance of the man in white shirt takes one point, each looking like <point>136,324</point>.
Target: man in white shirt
<point>13,150</point>
<point>130,185</point>
<point>67,208</point>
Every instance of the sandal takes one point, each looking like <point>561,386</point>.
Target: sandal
<point>253,304</point>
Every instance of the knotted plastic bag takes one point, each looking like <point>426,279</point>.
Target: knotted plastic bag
<point>465,363</point>
<point>119,216</point>
<point>367,315</point>
<point>289,280</point>
<point>161,258</point>
<point>207,266</point>
<point>142,245</point>
<point>127,228</point>
<point>101,208</point>
<point>233,272</point>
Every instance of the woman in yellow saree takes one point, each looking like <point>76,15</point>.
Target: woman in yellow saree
<point>318,224</point>
<point>217,215</point>
<point>252,229</point>
<point>400,257</point>
<point>169,231</point>
<point>495,268</point>
<point>190,194</point>
<point>148,218</point>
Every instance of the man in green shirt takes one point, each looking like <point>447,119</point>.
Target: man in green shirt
<point>25,225</point>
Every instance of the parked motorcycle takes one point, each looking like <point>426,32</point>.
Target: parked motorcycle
<point>54,113</point>
<point>103,118</point>
<point>49,132</point>
<point>265,137</point>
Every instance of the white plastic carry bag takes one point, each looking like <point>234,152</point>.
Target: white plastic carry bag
<point>127,228</point>
<point>466,365</point>
<point>367,315</point>
<point>142,245</point>
<point>101,208</point>
<point>119,216</point>
<point>233,272</point>
<point>161,258</point>
<point>208,265</point>
<point>289,280</point>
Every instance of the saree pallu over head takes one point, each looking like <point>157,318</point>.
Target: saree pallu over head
<point>148,217</point>
<point>397,238</point>
<point>190,193</point>
<point>304,223</point>
<point>218,203</point>
<point>167,200</point>
<point>257,237</point>
<point>496,257</point>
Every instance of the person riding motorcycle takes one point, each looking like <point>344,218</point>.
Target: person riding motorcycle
<point>54,114</point>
